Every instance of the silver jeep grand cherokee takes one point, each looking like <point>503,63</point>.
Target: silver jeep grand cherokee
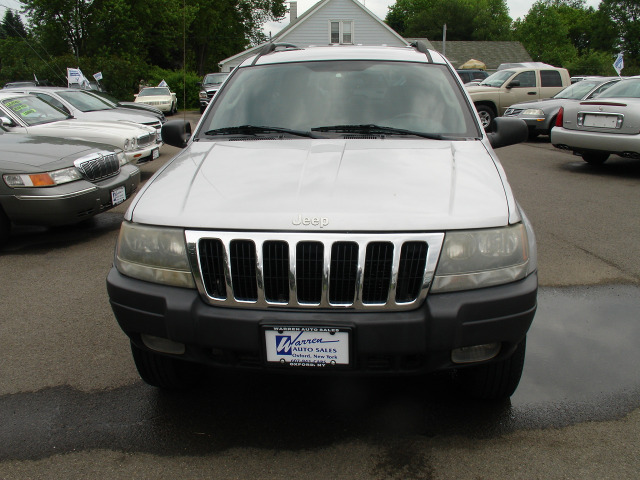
<point>336,210</point>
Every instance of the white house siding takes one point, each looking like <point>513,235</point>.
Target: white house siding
<point>314,29</point>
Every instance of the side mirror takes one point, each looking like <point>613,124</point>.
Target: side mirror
<point>505,131</point>
<point>177,133</point>
<point>515,83</point>
<point>6,122</point>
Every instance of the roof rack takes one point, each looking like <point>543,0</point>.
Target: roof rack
<point>271,47</point>
<point>421,47</point>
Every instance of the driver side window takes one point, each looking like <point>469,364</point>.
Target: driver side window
<point>53,101</point>
<point>527,79</point>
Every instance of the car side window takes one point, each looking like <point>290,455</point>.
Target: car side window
<point>526,79</point>
<point>550,78</point>
<point>53,101</point>
<point>601,89</point>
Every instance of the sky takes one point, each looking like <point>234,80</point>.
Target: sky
<point>517,9</point>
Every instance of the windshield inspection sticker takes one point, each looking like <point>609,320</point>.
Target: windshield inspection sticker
<point>307,346</point>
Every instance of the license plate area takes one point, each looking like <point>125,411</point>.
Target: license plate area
<point>307,347</point>
<point>155,153</point>
<point>118,195</point>
<point>601,120</point>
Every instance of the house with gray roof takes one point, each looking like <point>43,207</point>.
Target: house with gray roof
<point>491,54</point>
<point>349,22</point>
<point>328,22</point>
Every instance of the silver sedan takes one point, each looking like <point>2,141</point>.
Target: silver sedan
<point>606,125</point>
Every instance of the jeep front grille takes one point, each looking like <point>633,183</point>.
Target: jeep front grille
<point>146,140</point>
<point>99,166</point>
<point>290,270</point>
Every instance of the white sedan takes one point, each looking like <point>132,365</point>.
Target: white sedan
<point>28,114</point>
<point>160,97</point>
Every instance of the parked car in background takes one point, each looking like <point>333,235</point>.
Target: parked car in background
<point>516,83</point>
<point>608,124</point>
<point>22,113</point>
<point>159,97</point>
<point>472,75</point>
<point>337,210</point>
<point>84,105</point>
<point>27,83</point>
<point>55,181</point>
<point>209,86</point>
<point>540,115</point>
<point>111,100</point>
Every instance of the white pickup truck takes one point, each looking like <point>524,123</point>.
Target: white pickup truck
<point>516,83</point>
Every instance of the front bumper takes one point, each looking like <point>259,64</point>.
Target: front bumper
<point>68,203</point>
<point>417,341</point>
<point>145,154</point>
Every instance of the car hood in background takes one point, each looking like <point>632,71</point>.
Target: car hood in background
<point>334,185</point>
<point>27,153</point>
<point>119,115</point>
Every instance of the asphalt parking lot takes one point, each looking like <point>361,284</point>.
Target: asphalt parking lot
<point>73,406</point>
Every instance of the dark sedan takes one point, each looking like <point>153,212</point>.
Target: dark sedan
<point>54,181</point>
<point>540,115</point>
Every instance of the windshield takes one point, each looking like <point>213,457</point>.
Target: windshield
<point>306,96</point>
<point>497,79</point>
<point>154,92</point>
<point>624,88</point>
<point>214,78</point>
<point>579,90</point>
<point>33,110</point>
<point>85,102</point>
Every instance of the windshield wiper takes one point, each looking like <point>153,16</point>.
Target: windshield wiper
<point>371,128</point>
<point>254,130</point>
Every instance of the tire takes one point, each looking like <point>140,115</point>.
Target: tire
<point>5,227</point>
<point>493,381</point>
<point>595,158</point>
<point>166,372</point>
<point>486,115</point>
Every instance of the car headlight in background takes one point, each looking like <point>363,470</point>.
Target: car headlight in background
<point>46,179</point>
<point>482,258</point>
<point>533,112</point>
<point>153,254</point>
<point>202,94</point>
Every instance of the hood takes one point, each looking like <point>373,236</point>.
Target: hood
<point>328,185</point>
<point>119,115</point>
<point>544,103</point>
<point>75,128</point>
<point>481,89</point>
<point>26,153</point>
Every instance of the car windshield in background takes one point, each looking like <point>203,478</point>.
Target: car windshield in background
<point>214,78</point>
<point>309,96</point>
<point>154,92</point>
<point>497,79</point>
<point>33,110</point>
<point>83,101</point>
<point>625,88</point>
<point>578,90</point>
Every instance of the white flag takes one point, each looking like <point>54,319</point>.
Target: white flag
<point>75,76</point>
<point>97,76</point>
<point>618,64</point>
<point>163,84</point>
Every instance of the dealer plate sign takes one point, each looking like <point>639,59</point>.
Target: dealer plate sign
<point>307,346</point>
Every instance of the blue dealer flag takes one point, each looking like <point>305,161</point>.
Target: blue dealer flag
<point>618,64</point>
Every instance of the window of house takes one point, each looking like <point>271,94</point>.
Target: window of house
<point>341,31</point>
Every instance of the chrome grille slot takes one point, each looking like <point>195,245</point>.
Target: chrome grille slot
<point>306,270</point>
<point>100,167</point>
<point>144,140</point>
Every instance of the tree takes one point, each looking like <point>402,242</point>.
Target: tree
<point>626,15</point>
<point>12,26</point>
<point>465,19</point>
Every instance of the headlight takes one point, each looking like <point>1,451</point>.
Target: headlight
<point>134,143</point>
<point>534,112</point>
<point>482,258</point>
<point>153,254</point>
<point>122,160</point>
<point>202,94</point>
<point>126,144</point>
<point>46,179</point>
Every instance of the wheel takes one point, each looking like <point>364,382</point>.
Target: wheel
<point>493,381</point>
<point>486,115</point>
<point>5,227</point>
<point>595,158</point>
<point>165,372</point>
